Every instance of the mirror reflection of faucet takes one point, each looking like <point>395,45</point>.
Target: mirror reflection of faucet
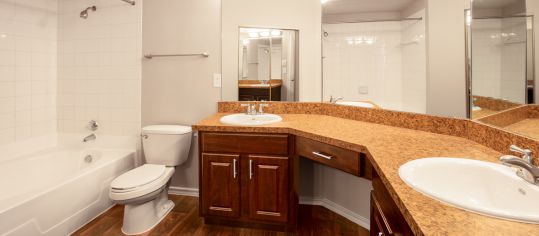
<point>334,99</point>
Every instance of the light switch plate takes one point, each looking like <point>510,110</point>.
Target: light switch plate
<point>216,80</point>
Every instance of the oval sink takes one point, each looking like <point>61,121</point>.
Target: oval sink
<point>250,120</point>
<point>481,187</point>
<point>356,104</point>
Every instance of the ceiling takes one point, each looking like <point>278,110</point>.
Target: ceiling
<point>364,6</point>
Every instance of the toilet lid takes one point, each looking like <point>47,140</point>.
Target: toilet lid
<point>138,177</point>
<point>166,129</point>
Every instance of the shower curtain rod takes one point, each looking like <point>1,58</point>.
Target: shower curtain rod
<point>501,17</point>
<point>368,21</point>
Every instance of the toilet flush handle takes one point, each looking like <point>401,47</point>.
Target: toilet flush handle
<point>144,136</point>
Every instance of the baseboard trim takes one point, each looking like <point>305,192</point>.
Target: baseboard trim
<point>332,206</point>
<point>338,209</point>
<point>192,192</point>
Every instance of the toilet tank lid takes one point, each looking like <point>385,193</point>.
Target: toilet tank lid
<point>166,129</point>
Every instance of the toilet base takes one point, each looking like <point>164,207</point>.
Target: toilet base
<point>143,217</point>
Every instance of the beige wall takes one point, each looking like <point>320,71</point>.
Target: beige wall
<point>180,90</point>
<point>302,15</point>
<point>446,78</point>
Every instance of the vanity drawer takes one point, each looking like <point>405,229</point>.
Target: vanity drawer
<point>270,144</point>
<point>336,157</point>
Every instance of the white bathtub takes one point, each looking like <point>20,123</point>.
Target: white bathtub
<point>57,191</point>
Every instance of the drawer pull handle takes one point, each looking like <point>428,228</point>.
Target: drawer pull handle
<point>234,168</point>
<point>323,155</point>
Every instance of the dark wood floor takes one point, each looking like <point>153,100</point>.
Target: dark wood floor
<point>184,220</point>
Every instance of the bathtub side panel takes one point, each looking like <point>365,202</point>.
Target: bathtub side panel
<point>67,207</point>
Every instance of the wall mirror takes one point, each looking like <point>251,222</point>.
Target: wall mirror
<point>463,59</point>
<point>502,70</point>
<point>267,64</point>
<point>502,57</point>
<point>374,54</point>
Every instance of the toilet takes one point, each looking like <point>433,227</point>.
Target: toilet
<point>143,190</point>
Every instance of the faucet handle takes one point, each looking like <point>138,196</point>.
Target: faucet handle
<point>526,152</point>
<point>92,125</point>
<point>261,107</point>
<point>250,108</point>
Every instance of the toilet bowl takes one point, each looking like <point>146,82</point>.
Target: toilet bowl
<point>144,189</point>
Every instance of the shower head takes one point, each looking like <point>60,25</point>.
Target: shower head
<point>132,2</point>
<point>84,14</point>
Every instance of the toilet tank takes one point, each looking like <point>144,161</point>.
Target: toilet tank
<point>166,144</point>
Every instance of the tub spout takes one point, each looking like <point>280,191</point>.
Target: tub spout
<point>88,138</point>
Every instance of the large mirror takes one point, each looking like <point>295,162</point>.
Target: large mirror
<point>502,57</point>
<point>267,65</point>
<point>463,59</point>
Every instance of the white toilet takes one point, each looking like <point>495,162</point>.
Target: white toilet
<point>143,190</point>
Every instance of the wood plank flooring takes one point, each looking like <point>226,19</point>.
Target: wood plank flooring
<point>184,220</point>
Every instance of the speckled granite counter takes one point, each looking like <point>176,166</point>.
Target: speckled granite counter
<point>388,147</point>
<point>529,127</point>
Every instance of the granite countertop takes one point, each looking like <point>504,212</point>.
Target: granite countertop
<point>529,127</point>
<point>388,148</point>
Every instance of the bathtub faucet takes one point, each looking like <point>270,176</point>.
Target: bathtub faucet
<point>90,137</point>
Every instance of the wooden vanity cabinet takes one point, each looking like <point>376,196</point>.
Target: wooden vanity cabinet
<point>252,180</point>
<point>386,218</point>
<point>246,179</point>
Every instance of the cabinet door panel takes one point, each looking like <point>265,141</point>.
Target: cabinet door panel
<point>221,185</point>
<point>268,188</point>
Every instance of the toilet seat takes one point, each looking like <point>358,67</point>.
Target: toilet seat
<point>140,181</point>
<point>138,177</point>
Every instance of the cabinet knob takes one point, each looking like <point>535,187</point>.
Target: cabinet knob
<point>380,234</point>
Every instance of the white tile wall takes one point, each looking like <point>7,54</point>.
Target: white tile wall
<point>486,57</point>
<point>514,60</point>
<point>499,58</point>
<point>363,55</point>
<point>414,74</point>
<point>99,66</point>
<point>367,61</point>
<point>28,69</point>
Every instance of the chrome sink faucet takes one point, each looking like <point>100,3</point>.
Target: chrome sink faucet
<point>526,169</point>
<point>251,108</point>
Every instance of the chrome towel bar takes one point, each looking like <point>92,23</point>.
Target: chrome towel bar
<point>150,56</point>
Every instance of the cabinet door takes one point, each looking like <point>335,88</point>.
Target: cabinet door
<point>268,188</point>
<point>221,185</point>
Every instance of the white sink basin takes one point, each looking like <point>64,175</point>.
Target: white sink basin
<point>356,104</point>
<point>250,120</point>
<point>482,187</point>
